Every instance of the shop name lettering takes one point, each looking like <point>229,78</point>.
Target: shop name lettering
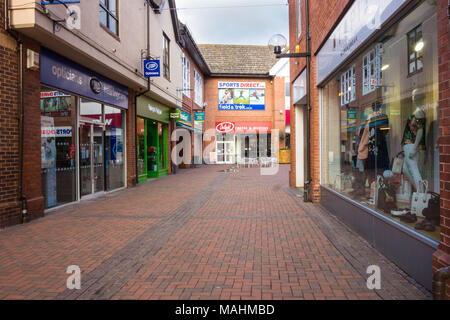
<point>70,75</point>
<point>155,110</point>
<point>227,310</point>
<point>242,85</point>
<point>56,132</point>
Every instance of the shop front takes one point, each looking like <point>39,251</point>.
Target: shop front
<point>83,141</point>
<point>243,142</point>
<point>152,139</point>
<point>379,130</point>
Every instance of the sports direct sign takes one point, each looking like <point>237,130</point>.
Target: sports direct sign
<point>242,96</point>
<point>244,127</point>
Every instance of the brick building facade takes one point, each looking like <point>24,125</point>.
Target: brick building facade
<point>10,205</point>
<point>396,75</point>
<point>244,66</point>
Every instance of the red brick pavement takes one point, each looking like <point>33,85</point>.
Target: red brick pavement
<point>200,234</point>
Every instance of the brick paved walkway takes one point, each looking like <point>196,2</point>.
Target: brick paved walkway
<point>200,234</point>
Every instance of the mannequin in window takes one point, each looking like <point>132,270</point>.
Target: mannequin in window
<point>414,139</point>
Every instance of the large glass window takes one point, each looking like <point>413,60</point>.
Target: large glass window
<point>298,16</point>
<point>58,147</point>
<point>380,143</point>
<point>141,147</point>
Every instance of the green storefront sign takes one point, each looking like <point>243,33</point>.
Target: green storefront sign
<point>152,138</point>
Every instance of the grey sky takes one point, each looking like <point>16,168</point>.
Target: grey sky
<point>233,22</point>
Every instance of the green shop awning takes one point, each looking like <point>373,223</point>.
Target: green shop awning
<point>151,109</point>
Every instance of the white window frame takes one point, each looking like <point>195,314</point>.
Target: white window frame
<point>348,86</point>
<point>298,17</point>
<point>186,76</point>
<point>372,70</point>
<point>198,89</point>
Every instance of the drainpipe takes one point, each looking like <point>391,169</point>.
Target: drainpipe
<point>308,197</point>
<point>22,199</point>
<point>439,283</point>
<point>143,92</point>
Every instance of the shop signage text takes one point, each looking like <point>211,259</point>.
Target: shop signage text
<point>152,68</point>
<point>59,72</point>
<point>360,22</point>
<point>199,117</point>
<point>156,110</point>
<point>244,127</point>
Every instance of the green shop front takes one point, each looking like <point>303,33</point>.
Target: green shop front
<point>152,139</point>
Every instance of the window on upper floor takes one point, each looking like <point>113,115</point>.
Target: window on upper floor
<point>186,77</point>
<point>198,88</point>
<point>298,15</point>
<point>166,57</point>
<point>372,70</point>
<point>348,86</point>
<point>415,50</point>
<point>108,15</point>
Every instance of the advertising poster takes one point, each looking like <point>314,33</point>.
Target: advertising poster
<point>242,96</point>
<point>48,158</point>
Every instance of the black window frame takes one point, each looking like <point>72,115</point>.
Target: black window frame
<point>166,57</point>
<point>110,15</point>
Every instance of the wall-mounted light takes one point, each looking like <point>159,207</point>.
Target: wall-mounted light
<point>385,67</point>
<point>419,46</point>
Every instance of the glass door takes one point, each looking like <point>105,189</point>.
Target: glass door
<point>225,152</point>
<point>92,164</point>
<point>98,159</point>
<point>85,160</point>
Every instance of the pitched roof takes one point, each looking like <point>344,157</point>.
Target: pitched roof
<point>238,59</point>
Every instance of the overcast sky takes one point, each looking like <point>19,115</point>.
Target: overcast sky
<point>235,21</point>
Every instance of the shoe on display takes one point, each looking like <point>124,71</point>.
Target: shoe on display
<point>409,218</point>
<point>399,213</point>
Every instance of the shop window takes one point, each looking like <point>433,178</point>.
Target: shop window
<point>166,57</point>
<point>381,150</point>
<point>372,70</point>
<point>114,148</point>
<point>108,15</point>
<point>348,86</point>
<point>416,45</point>
<point>58,148</point>
<point>141,148</point>
<point>198,88</point>
<point>186,77</point>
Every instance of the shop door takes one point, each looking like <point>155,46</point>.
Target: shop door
<point>92,164</point>
<point>225,152</point>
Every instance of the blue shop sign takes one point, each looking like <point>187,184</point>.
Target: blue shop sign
<point>199,117</point>
<point>61,73</point>
<point>185,118</point>
<point>152,68</point>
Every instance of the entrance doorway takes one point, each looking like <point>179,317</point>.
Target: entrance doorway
<point>225,152</point>
<point>92,163</point>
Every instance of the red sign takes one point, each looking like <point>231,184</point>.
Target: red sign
<point>225,127</point>
<point>244,127</point>
<point>288,117</point>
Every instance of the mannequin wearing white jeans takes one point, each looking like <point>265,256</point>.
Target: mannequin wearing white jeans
<point>411,164</point>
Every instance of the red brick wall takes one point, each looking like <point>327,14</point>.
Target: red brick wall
<point>442,257</point>
<point>323,16</point>
<point>32,180</point>
<point>131,140</point>
<point>274,103</point>
<point>9,127</point>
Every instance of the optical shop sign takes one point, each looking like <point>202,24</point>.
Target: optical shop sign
<point>242,96</point>
<point>61,73</point>
<point>362,19</point>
